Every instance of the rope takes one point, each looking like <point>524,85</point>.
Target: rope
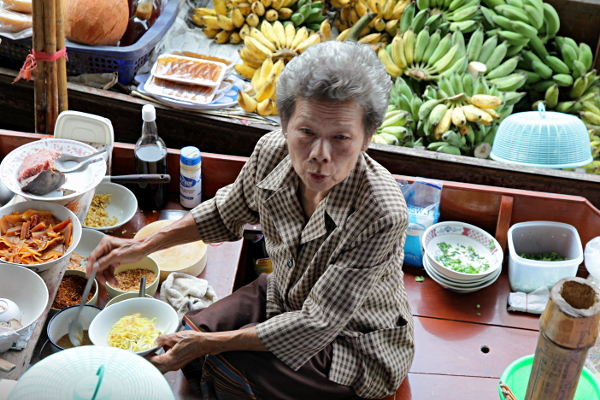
<point>32,59</point>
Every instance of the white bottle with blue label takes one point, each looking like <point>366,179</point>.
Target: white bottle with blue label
<point>190,177</point>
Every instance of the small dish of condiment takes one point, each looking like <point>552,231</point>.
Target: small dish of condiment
<point>71,288</point>
<point>58,327</point>
<point>129,276</point>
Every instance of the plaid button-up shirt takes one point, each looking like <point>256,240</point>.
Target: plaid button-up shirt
<point>337,278</point>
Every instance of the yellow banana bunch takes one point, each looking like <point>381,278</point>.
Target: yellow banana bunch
<point>260,97</point>
<point>230,20</point>
<point>388,12</point>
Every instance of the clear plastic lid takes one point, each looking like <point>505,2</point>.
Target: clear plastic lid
<point>190,155</point>
<point>592,257</point>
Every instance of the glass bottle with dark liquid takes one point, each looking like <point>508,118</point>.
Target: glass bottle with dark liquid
<point>142,15</point>
<point>151,158</point>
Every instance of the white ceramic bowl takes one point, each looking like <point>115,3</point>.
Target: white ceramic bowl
<point>9,310</point>
<point>122,205</point>
<point>59,324</point>
<point>145,263</point>
<point>166,316</point>
<point>26,289</point>
<point>448,284</point>
<point>94,298</point>
<point>61,213</point>
<point>456,234</point>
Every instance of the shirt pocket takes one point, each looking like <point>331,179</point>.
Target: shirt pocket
<point>385,345</point>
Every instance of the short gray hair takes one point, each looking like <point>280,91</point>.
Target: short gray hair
<point>336,72</point>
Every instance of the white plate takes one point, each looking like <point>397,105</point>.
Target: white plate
<point>77,182</point>
<point>458,289</point>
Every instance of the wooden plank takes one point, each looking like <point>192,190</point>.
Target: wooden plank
<point>503,223</point>
<point>466,349</point>
<point>429,299</point>
<point>436,387</point>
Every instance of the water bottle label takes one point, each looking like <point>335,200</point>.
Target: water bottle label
<point>188,182</point>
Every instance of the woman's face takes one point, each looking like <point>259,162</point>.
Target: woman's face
<point>324,141</point>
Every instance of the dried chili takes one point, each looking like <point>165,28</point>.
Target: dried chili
<point>70,291</point>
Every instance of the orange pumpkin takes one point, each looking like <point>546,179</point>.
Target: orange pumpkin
<point>95,22</point>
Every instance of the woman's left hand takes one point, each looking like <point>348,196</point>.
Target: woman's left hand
<point>180,349</point>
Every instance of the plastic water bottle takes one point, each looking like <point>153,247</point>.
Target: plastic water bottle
<point>151,158</point>
<point>190,177</point>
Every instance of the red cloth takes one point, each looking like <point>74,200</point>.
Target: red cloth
<point>35,56</point>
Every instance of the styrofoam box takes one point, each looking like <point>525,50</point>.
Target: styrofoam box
<point>538,237</point>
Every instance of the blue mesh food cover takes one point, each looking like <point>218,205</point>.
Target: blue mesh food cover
<point>542,139</point>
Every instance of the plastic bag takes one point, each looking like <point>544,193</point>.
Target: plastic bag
<point>423,202</point>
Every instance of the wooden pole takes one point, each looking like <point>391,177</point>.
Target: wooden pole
<point>51,77</point>
<point>39,95</point>
<point>63,102</point>
<point>568,329</point>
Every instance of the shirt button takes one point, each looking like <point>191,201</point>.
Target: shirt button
<point>290,262</point>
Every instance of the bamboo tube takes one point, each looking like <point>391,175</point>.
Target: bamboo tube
<point>40,99</point>
<point>51,78</point>
<point>568,329</point>
<point>63,102</point>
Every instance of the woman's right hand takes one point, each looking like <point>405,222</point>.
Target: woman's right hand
<point>112,252</point>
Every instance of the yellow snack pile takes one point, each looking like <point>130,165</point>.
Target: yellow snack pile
<point>134,333</point>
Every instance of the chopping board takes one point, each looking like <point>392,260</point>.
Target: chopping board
<point>189,258</point>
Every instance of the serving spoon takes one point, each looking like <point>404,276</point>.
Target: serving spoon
<point>75,326</point>
<point>69,163</point>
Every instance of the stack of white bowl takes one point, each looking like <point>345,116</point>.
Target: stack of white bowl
<point>459,233</point>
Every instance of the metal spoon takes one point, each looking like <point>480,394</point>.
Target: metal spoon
<point>75,326</point>
<point>69,163</point>
<point>143,287</point>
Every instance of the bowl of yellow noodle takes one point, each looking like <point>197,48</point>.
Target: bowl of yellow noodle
<point>134,324</point>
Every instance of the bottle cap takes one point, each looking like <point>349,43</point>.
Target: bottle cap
<point>190,155</point>
<point>148,112</point>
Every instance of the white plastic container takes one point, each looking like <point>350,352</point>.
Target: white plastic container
<point>190,177</point>
<point>538,237</point>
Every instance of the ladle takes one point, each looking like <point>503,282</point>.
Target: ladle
<point>64,163</point>
<point>75,326</point>
<point>143,287</point>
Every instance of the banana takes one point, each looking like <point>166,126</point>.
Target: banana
<point>258,8</point>
<point>578,69</point>
<point>592,107</point>
<point>247,103</point>
<point>445,85</point>
<point>512,13</point>
<point>285,13</point>
<point>407,16</point>
<point>552,21</point>
<point>269,33</point>
<point>475,114</point>
<point>535,15</point>
<point>506,68</point>
<point>421,44</point>
<point>210,32</point>
<point>441,50</point>
<point>456,81</point>
<point>475,44</point>
<point>432,44</point>
<point>565,106</point>
<point>551,96</point>
<point>244,71</point>
<point>258,49</point>
<point>437,114</point>
<point>252,19</point>
<point>398,51</point>
<point>260,37</point>
<point>443,125</point>
<point>590,117</point>
<point>237,17</point>
<point>578,87</point>
<point>290,34</point>
<point>513,38</point>
<point>544,71</point>
<point>399,132</point>
<point>409,43</point>
<point>370,38</point>
<point>418,22</point>
<point>458,117</point>
<point>585,55</point>
<point>493,113</point>
<point>427,107</point>
<point>557,65</point>
<point>497,56</point>
<point>223,36</point>
<point>301,36</point>
<point>220,6</point>
<point>446,60</point>
<point>464,26</point>
<point>390,67</point>
<point>324,29</point>
<point>510,83</point>
<point>524,29</point>
<point>279,32</point>
<point>569,54</point>
<point>488,48</point>
<point>399,119</point>
<point>201,12</point>
<point>265,107</point>
<point>512,98</point>
<point>245,8</point>
<point>468,84</point>
<point>265,72</point>
<point>486,101</point>
<point>564,80</point>
<point>536,44</point>
<point>312,40</point>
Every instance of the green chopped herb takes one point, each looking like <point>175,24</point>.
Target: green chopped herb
<point>492,245</point>
<point>478,306</point>
<point>544,257</point>
<point>478,313</point>
<point>419,278</point>
<point>462,259</point>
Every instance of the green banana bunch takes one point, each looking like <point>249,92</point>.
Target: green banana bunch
<point>308,13</point>
<point>425,56</point>
<point>454,15</point>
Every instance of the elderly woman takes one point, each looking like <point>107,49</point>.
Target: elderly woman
<point>332,320</point>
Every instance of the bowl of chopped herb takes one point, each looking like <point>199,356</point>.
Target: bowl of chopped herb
<point>541,253</point>
<point>462,252</point>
